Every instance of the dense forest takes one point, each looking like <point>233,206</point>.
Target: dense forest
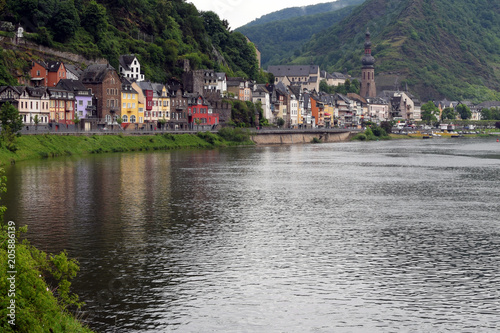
<point>280,40</point>
<point>159,32</point>
<point>293,12</point>
<point>447,48</point>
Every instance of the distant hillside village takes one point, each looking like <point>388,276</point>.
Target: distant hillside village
<point>60,95</point>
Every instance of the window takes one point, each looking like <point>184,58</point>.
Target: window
<point>133,105</point>
<point>80,102</point>
<point>141,120</point>
<point>124,105</point>
<point>132,119</point>
<point>141,110</point>
<point>133,96</point>
<point>89,103</point>
<point>128,105</point>
<point>124,118</point>
<point>37,73</point>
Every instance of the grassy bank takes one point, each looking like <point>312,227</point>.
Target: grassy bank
<point>46,145</point>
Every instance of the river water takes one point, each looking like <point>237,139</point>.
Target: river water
<point>348,237</point>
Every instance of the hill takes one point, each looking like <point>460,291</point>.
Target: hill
<point>293,12</point>
<point>159,32</point>
<point>447,48</point>
<point>278,41</point>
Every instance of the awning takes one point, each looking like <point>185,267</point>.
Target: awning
<point>327,114</point>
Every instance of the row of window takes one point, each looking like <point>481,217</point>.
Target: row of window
<point>112,91</point>
<point>155,114</point>
<point>128,96</point>
<point>125,119</point>
<point>42,119</point>
<point>112,103</point>
<point>127,105</point>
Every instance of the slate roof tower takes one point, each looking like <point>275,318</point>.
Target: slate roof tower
<point>368,89</point>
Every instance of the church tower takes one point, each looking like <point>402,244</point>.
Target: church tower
<point>368,88</point>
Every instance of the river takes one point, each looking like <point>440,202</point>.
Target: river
<point>345,237</point>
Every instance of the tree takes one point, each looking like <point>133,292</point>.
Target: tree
<point>10,118</point>
<point>387,126</point>
<point>485,114</point>
<point>76,120</point>
<point>11,122</point>
<point>280,122</point>
<point>36,120</point>
<point>448,113</point>
<point>94,19</point>
<point>464,111</point>
<point>430,112</point>
<point>67,22</point>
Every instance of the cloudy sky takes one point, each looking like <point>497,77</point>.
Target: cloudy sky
<point>240,12</point>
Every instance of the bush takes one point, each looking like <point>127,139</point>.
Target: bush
<point>209,137</point>
<point>379,132</point>
<point>497,124</point>
<point>234,134</point>
<point>360,137</point>
<point>315,140</point>
<point>387,126</point>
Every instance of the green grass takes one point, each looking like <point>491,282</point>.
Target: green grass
<point>44,146</point>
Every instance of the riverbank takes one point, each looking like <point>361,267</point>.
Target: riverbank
<point>48,145</point>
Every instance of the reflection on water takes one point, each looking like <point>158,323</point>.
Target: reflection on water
<point>353,237</point>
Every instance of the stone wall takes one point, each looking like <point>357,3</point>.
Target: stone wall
<point>45,52</point>
<point>298,138</point>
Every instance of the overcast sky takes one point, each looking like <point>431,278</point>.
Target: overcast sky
<point>240,12</point>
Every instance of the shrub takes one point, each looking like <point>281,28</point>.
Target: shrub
<point>379,131</point>
<point>360,137</point>
<point>315,140</point>
<point>234,134</point>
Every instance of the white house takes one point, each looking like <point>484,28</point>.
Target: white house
<point>131,68</point>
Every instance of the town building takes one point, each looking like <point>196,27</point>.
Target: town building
<point>200,113</point>
<point>178,107</point>
<point>130,67</point>
<point>104,82</point>
<point>61,106</point>
<point>261,94</point>
<point>130,105</point>
<point>33,105</point>
<point>47,74</point>
<point>84,106</point>
<point>147,91</point>
<point>306,76</point>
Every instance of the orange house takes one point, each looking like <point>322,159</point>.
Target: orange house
<point>318,111</point>
<point>47,74</point>
<point>39,74</point>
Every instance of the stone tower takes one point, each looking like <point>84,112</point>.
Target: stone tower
<point>368,88</point>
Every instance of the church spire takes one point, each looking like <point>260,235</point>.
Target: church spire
<point>368,88</point>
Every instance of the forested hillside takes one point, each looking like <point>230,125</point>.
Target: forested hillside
<point>159,32</point>
<point>278,41</point>
<point>292,12</point>
<point>446,48</point>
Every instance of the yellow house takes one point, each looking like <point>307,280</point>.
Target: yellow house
<point>164,103</point>
<point>130,104</point>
